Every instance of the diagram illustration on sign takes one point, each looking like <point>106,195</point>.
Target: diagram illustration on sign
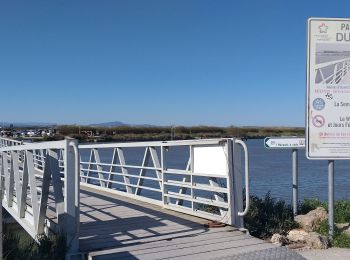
<point>332,63</point>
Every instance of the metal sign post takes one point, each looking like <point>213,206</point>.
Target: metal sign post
<point>328,95</point>
<point>293,143</point>
<point>331,198</point>
<point>295,180</point>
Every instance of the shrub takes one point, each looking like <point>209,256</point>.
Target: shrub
<point>17,244</point>
<point>268,216</point>
<point>310,204</point>
<point>342,211</point>
<point>323,228</point>
<point>341,240</point>
<point>341,208</point>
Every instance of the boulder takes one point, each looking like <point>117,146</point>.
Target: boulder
<point>342,227</point>
<point>312,239</point>
<point>311,220</point>
<point>297,235</point>
<point>347,231</point>
<point>278,239</point>
<point>317,241</point>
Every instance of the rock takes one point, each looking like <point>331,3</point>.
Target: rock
<point>278,239</point>
<point>311,220</point>
<point>297,235</point>
<point>342,226</point>
<point>347,231</point>
<point>299,246</point>
<point>317,241</point>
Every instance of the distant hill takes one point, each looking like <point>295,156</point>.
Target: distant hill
<point>110,124</point>
<point>118,123</point>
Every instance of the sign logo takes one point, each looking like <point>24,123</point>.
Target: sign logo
<point>323,28</point>
<point>318,121</point>
<point>329,96</point>
<point>318,104</point>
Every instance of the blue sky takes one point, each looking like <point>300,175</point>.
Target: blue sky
<point>186,62</point>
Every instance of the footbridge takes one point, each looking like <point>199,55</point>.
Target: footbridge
<point>142,200</point>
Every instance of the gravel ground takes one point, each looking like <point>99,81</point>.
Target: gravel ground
<point>333,253</point>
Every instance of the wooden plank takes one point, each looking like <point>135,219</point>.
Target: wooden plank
<point>157,241</point>
<point>190,251</point>
<point>170,245</point>
<point>131,202</point>
<point>120,227</point>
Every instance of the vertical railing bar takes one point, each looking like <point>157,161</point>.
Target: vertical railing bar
<point>163,162</point>
<point>125,172</point>
<point>191,164</point>
<point>142,172</point>
<point>101,178</point>
<point>33,187</point>
<point>186,178</point>
<point>23,196</point>
<point>15,167</point>
<point>156,164</point>
<point>111,169</point>
<point>89,167</point>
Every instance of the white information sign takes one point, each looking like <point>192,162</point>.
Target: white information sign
<point>211,160</point>
<point>284,142</point>
<point>328,89</point>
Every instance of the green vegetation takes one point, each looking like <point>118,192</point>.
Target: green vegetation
<point>341,215</point>
<point>17,244</point>
<point>310,204</point>
<point>268,216</point>
<point>145,133</point>
<point>340,239</point>
<point>341,208</point>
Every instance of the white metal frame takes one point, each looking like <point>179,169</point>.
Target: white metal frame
<point>5,142</point>
<point>223,205</point>
<point>28,172</point>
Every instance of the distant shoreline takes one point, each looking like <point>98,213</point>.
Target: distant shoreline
<point>155,133</point>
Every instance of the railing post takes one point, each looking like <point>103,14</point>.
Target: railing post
<point>71,195</point>
<point>230,184</point>
<point>164,167</point>
<point>237,190</point>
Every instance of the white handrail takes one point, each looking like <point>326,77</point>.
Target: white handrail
<point>246,166</point>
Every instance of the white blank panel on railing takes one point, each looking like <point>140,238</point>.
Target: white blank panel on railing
<point>211,160</point>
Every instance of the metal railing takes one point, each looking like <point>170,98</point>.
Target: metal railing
<point>4,142</point>
<point>193,176</point>
<point>40,186</point>
<point>339,69</point>
<point>196,177</point>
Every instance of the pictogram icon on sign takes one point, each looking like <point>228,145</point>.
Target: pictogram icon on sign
<point>318,121</point>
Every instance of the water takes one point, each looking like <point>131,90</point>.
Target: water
<point>271,170</point>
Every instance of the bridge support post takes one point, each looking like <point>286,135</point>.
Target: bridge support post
<point>72,192</point>
<point>235,183</point>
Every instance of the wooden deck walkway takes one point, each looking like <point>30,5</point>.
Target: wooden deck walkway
<point>114,227</point>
